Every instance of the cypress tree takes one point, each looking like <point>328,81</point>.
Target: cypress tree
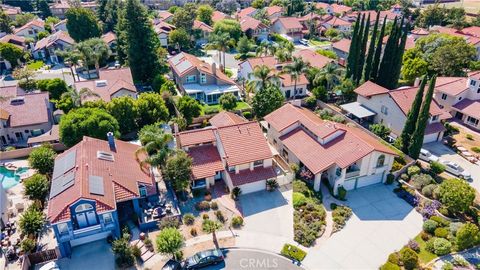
<point>399,56</point>
<point>363,49</point>
<point>351,59</point>
<point>371,50</point>
<point>417,137</point>
<point>378,53</point>
<point>385,71</point>
<point>412,118</point>
<point>358,52</point>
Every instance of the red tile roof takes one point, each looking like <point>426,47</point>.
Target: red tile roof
<point>404,98</point>
<point>109,37</point>
<point>164,15</point>
<point>34,23</point>
<point>249,23</point>
<point>163,27</point>
<point>434,128</point>
<point>218,16</point>
<point>246,12</point>
<point>247,176</point>
<point>243,143</point>
<point>206,161</point>
<point>289,22</point>
<point>224,118</point>
<point>270,61</point>
<point>334,21</point>
<point>271,10</point>
<point>34,109</point>
<point>52,39</point>
<point>336,8</point>
<point>313,58</point>
<point>451,85</point>
<point>196,136</point>
<point>469,107</point>
<point>202,26</point>
<point>18,41</point>
<point>342,45</point>
<point>473,74</point>
<point>370,88</point>
<point>121,177</point>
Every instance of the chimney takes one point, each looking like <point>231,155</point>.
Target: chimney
<point>111,141</point>
<point>214,69</point>
<point>417,81</point>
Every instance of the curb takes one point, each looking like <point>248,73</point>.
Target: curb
<point>266,251</point>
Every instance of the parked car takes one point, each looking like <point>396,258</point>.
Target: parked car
<point>50,266</point>
<point>303,42</point>
<point>425,155</point>
<point>172,265</point>
<point>203,258</point>
<point>456,170</point>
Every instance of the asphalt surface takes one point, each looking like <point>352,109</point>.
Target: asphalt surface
<point>248,259</point>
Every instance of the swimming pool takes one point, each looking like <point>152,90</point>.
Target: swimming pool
<point>11,178</point>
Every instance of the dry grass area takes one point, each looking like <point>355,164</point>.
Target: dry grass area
<point>466,139</point>
<point>186,230</point>
<point>471,6</point>
<point>223,243</point>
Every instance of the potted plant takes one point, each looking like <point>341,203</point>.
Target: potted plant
<point>236,191</point>
<point>272,184</point>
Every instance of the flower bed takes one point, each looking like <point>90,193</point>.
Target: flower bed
<point>340,216</point>
<point>293,252</point>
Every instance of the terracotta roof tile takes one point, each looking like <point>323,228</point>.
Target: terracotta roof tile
<point>342,45</point>
<point>218,16</point>
<point>451,85</point>
<point>271,10</point>
<point>164,15</point>
<point>34,109</point>
<point>334,21</point>
<point>52,39</point>
<point>247,23</point>
<point>202,26</point>
<point>246,12</point>
<point>33,23</point>
<point>224,118</point>
<point>404,98</point>
<point>196,136</point>
<point>313,58</point>
<point>469,107</point>
<point>247,176</point>
<point>289,22</point>
<point>370,88</point>
<point>206,161</point>
<point>109,37</point>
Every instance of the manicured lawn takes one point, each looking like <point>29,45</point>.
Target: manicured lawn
<point>35,65</point>
<point>424,256</point>
<point>318,43</point>
<point>242,105</point>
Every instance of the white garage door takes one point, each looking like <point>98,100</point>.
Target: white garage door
<point>253,187</point>
<point>430,138</point>
<point>88,239</point>
<point>349,184</point>
<point>369,180</point>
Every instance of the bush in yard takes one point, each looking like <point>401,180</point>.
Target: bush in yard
<point>220,216</point>
<point>429,245</point>
<point>311,102</point>
<point>136,251</point>
<point>301,187</point>
<point>428,190</point>
<point>169,241</point>
<point>28,245</point>
<point>441,232</point>
<point>409,258</point>
<point>467,236</point>
<point>457,195</point>
<point>394,258</point>
<point>454,227</point>
<point>429,226</point>
<point>32,221</point>
<point>413,170</point>
<point>293,252</point>
<point>447,266</point>
<point>442,246</point>
<point>236,192</point>
<point>342,193</point>
<point>421,180</point>
<point>441,221</point>
<point>247,114</point>
<point>390,179</point>
<point>214,205</point>
<point>188,219</point>
<point>123,251</point>
<point>237,222</point>
<point>437,167</point>
<point>425,236</point>
<point>413,245</point>
<point>169,222</point>
<point>42,159</point>
<point>389,266</point>
<point>205,216</point>
<point>202,206</point>
<point>193,232</point>
<point>299,199</point>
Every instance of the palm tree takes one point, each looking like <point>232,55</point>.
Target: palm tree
<point>155,144</point>
<point>210,226</point>
<point>71,58</point>
<point>331,74</point>
<point>93,51</point>
<point>295,69</point>
<point>221,42</point>
<point>77,97</point>
<point>262,48</point>
<point>265,77</point>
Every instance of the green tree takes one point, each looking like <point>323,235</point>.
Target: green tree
<point>75,98</point>
<point>5,23</point>
<point>25,77</point>
<point>94,52</point>
<point>258,4</point>
<point>204,14</point>
<point>267,101</point>
<point>24,18</point>
<point>110,14</point>
<point>414,68</point>
<point>412,118</point>
<point>123,251</point>
<point>178,170</point>
<point>457,195</point>
<point>230,27</point>
<point>65,103</point>
<point>91,122</point>
<point>55,87</point>
<point>42,159</point>
<point>295,70</point>
<point>431,15</point>
<point>151,109</point>
<point>189,108</point>
<point>37,187</point>
<point>169,241</point>
<point>180,39</point>
<point>332,33</point>
<point>264,77</point>
<point>329,76</point>
<point>11,53</point>
<point>362,52</point>
<point>380,130</point>
<point>409,258</point>
<point>416,141</point>
<point>32,221</point>
<point>44,9</point>
<point>371,50</point>
<point>353,50</point>
<point>228,101</point>
<point>244,46</point>
<point>155,143</point>
<point>211,226</point>
<point>386,65</point>
<point>378,53</point>
<point>82,24</point>
<point>124,110</point>
<point>183,19</point>
<point>467,236</point>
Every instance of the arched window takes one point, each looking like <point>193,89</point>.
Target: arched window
<point>83,207</point>
<point>381,161</point>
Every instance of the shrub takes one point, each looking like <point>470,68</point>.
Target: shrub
<point>299,199</point>
<point>247,114</point>
<point>202,206</point>
<point>342,193</point>
<point>425,236</point>
<point>441,221</point>
<point>437,167</point>
<point>467,236</point>
<point>188,219</point>
<point>193,231</point>
<point>457,195</point>
<point>169,222</point>
<point>420,180</point>
<point>469,137</point>
<point>441,232</point>
<point>237,222</point>
<point>293,252</point>
<point>272,184</point>
<point>476,149</point>
<point>413,170</point>
<point>442,246</point>
<point>428,190</point>
<point>413,245</point>
<point>393,258</point>
<point>429,226</point>
<point>311,102</point>
<point>390,179</point>
<point>205,216</point>
<point>409,258</point>
<point>28,245</point>
<point>214,205</point>
<point>460,261</point>
<point>220,216</point>
<point>295,168</point>
<point>429,245</point>
<point>236,192</point>
<point>301,187</point>
<point>210,110</point>
<point>447,266</point>
<point>404,177</point>
<point>136,251</point>
<point>454,226</point>
<point>389,266</point>
<point>338,118</point>
<point>333,206</point>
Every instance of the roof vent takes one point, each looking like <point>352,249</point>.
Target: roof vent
<point>17,101</point>
<point>105,156</point>
<point>100,83</point>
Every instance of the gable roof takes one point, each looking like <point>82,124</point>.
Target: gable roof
<point>196,136</point>
<point>225,118</point>
<point>164,15</point>
<point>342,45</point>
<point>206,161</point>
<point>451,85</point>
<point>289,22</point>
<point>18,41</point>
<point>162,27</point>
<point>271,10</point>
<point>52,39</point>
<point>248,22</point>
<point>370,88</point>
<point>468,107</point>
<point>272,62</point>
<point>202,26</point>
<point>404,98</point>
<point>246,12</point>
<point>30,109</point>
<point>109,37</point>
<point>218,16</point>
<point>334,21</point>
<point>33,23</point>
<point>313,58</point>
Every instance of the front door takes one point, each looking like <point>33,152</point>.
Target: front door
<point>92,218</point>
<point>82,220</point>
<point>287,94</point>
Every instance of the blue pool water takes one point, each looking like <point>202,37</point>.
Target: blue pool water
<point>11,178</point>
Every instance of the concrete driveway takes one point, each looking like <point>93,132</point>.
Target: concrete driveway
<point>381,223</point>
<point>95,255</point>
<point>445,153</point>
<point>269,213</point>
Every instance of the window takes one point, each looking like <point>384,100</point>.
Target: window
<point>381,161</point>
<point>62,228</point>
<point>107,218</point>
<point>384,110</point>
<point>478,90</point>
<point>338,171</point>
<point>472,82</point>
<point>472,121</point>
<point>231,168</point>
<point>203,78</point>
<point>143,190</point>
<point>258,163</point>
<point>27,131</point>
<point>435,118</point>
<point>460,98</point>
<point>285,153</point>
<point>444,96</point>
<point>191,79</point>
<point>83,207</point>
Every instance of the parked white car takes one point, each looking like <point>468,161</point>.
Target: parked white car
<point>425,155</point>
<point>303,42</point>
<point>50,266</point>
<point>456,170</point>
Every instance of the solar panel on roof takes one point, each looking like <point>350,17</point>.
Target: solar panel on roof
<point>95,185</point>
<point>64,164</point>
<point>184,66</point>
<point>61,183</point>
<point>176,59</point>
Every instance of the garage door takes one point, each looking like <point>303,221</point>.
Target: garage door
<point>430,138</point>
<point>253,187</point>
<point>369,180</point>
<point>90,238</point>
<point>349,184</point>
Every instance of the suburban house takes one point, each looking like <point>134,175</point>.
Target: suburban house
<point>94,185</point>
<point>287,83</point>
<point>23,115</point>
<point>165,16</point>
<point>163,29</point>
<point>329,152</point>
<point>18,41</point>
<point>461,97</point>
<point>45,49</point>
<point>419,33</point>
<point>59,8</point>
<point>111,83</point>
<point>288,27</point>
<point>254,28</point>
<point>338,24</point>
<point>218,16</point>
<point>202,32</point>
<point>334,9</point>
<point>111,40</point>
<point>390,107</point>
<point>341,49</point>
<point>312,58</point>
<point>30,29</point>
<point>61,26</point>
<point>233,150</point>
<point>11,11</point>
<point>470,34</point>
<point>274,12</point>
<point>200,80</point>
<point>249,11</point>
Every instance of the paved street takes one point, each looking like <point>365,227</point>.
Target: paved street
<point>249,259</point>
<point>381,223</point>
<point>445,153</point>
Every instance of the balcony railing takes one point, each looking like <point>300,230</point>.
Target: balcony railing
<point>87,229</point>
